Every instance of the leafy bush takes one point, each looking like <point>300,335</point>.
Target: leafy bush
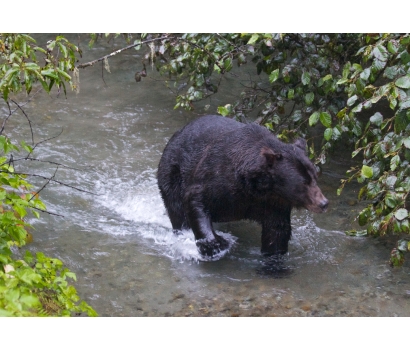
<point>382,75</point>
<point>31,286</point>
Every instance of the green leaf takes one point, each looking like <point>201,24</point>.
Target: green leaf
<point>393,46</point>
<point>405,57</point>
<point>45,86</point>
<point>355,233</point>
<point>401,214</point>
<point>326,119</point>
<point>400,121</point>
<point>351,100</point>
<point>138,46</point>
<point>392,102</point>
<point>309,97</point>
<point>64,74</point>
<point>358,108</point>
<point>390,181</point>
<point>367,171</point>
<point>380,53</point>
<point>396,257</point>
<point>357,67</point>
<point>225,110</point>
<point>21,211</point>
<point>254,38</point>
<point>6,93</point>
<point>394,162</point>
<point>305,78</point>
<point>328,134</point>
<point>327,77</point>
<point>365,74</point>
<point>50,73</point>
<point>26,147</point>
<point>406,142</point>
<point>341,113</point>
<point>357,129</point>
<point>346,70</point>
<point>405,40</point>
<point>228,64</point>
<point>9,74</point>
<point>405,104</point>
<point>378,65</point>
<point>403,245</point>
<point>274,76</point>
<point>363,217</point>
<point>30,300</point>
<point>403,82</point>
<point>356,152</point>
<point>314,118</point>
<point>406,228</point>
<point>297,115</point>
<point>376,119</point>
<point>63,49</point>
<point>391,72</point>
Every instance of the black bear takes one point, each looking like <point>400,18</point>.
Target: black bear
<point>216,169</point>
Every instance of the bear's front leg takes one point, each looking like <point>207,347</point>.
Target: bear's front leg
<point>207,241</point>
<point>276,232</point>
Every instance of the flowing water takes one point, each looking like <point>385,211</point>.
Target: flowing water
<point>120,243</point>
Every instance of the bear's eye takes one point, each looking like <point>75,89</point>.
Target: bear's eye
<point>307,181</point>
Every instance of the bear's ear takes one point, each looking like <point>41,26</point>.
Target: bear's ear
<point>270,156</point>
<point>301,143</point>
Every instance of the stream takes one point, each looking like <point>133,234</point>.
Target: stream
<point>119,241</point>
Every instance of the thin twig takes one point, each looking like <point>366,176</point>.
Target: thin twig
<point>49,162</point>
<point>102,73</point>
<point>5,120</point>
<point>28,119</point>
<point>40,142</point>
<point>52,180</point>
<point>47,212</point>
<point>44,186</point>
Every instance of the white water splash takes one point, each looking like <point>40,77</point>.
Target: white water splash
<point>143,205</point>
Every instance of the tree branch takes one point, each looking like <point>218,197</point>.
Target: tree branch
<point>91,63</point>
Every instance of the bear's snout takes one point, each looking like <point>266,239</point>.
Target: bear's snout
<point>324,204</point>
<point>318,202</point>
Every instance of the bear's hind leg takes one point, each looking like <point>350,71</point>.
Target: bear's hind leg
<point>169,182</point>
<point>178,220</point>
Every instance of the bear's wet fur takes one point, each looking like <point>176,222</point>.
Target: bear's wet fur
<point>216,169</point>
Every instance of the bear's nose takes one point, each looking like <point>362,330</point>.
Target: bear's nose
<point>324,204</point>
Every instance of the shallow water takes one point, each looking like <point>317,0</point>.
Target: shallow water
<point>120,243</point>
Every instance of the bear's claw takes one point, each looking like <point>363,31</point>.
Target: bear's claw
<point>211,248</point>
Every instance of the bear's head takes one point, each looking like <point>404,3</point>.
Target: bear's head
<point>290,175</point>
